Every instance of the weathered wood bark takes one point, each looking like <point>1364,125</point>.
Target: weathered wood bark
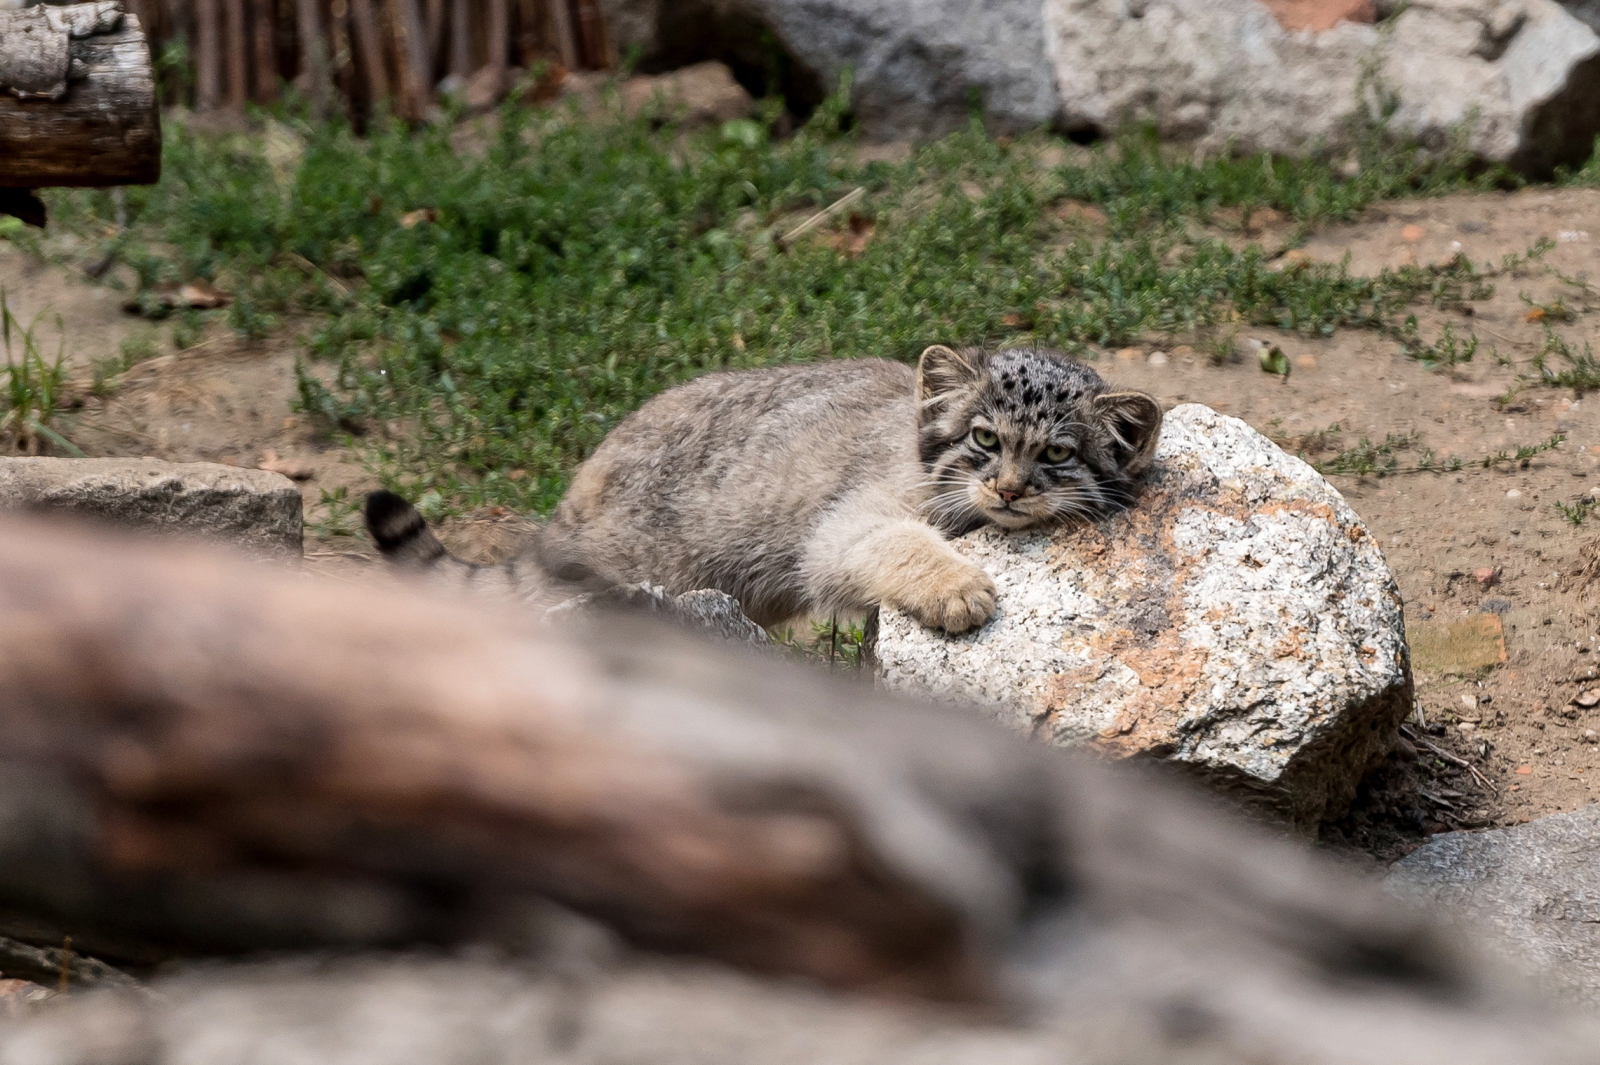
<point>223,754</point>
<point>104,130</point>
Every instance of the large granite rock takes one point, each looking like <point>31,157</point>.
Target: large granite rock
<point>917,67</point>
<point>1535,887</point>
<point>1239,620</point>
<point>1520,76</point>
<point>250,509</point>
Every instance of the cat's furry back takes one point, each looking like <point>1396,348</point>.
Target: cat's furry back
<point>830,488</point>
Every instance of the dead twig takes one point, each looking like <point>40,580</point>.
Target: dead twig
<point>823,215</point>
<point>311,269</point>
<point>1452,759</point>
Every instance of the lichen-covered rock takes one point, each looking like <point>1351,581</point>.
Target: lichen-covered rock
<point>251,509</point>
<point>1535,888</point>
<point>1239,620</point>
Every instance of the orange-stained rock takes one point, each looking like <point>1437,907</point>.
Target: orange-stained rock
<point>1320,15</point>
<point>1239,620</point>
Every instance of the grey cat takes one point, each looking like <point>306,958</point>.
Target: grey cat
<point>828,488</point>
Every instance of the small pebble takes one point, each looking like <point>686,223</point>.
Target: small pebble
<point>1128,354</point>
<point>1157,358</point>
<point>1524,770</point>
<point>1466,726</point>
<point>1588,698</point>
<point>1591,735</point>
<point>1412,233</point>
<point>1305,363</point>
<point>1469,701</point>
<point>1513,494</point>
<point>1488,576</point>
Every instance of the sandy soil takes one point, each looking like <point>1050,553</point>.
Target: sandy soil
<point>1462,544</point>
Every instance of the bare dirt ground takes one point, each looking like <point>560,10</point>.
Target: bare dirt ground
<point>1494,742</point>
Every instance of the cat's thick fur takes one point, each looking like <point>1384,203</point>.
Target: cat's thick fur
<point>831,488</point>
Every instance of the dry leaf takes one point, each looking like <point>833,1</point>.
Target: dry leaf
<point>295,471</point>
<point>199,294</point>
<point>412,219</point>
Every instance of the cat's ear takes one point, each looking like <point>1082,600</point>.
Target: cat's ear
<point>1133,421</point>
<point>942,370</point>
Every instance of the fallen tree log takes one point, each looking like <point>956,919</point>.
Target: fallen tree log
<point>77,98</point>
<point>221,756</point>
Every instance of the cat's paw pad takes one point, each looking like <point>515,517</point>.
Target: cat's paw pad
<point>963,600</point>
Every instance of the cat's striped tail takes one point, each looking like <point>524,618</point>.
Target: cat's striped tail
<point>402,535</point>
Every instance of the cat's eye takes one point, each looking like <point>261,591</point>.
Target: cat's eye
<point>1057,453</point>
<point>985,438</point>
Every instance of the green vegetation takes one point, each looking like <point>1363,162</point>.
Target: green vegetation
<point>1578,510</point>
<point>32,390</point>
<point>1367,459</point>
<point>482,319</point>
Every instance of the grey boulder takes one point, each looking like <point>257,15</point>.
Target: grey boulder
<point>1239,621</point>
<point>1518,77</point>
<point>251,509</point>
<point>918,68</point>
<point>1535,888</point>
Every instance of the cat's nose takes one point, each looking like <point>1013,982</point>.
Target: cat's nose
<point>1008,495</point>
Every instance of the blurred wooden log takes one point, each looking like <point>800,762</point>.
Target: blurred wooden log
<point>228,733</point>
<point>196,746</point>
<point>104,129</point>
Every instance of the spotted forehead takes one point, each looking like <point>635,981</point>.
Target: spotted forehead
<point>1034,379</point>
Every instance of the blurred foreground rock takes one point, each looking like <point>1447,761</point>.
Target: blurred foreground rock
<point>1535,888</point>
<point>251,509</point>
<point>1238,620</point>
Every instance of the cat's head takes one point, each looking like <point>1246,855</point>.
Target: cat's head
<point>1027,437</point>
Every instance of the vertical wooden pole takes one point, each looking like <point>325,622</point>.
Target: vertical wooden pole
<point>369,48</point>
<point>562,31</point>
<point>266,50</point>
<point>235,50</point>
<point>411,44</point>
<point>341,65</point>
<point>313,56</point>
<point>433,16</point>
<point>460,38</point>
<point>499,37</point>
<point>591,28</point>
<point>207,56</point>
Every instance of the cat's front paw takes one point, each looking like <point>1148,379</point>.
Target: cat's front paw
<point>962,599</point>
